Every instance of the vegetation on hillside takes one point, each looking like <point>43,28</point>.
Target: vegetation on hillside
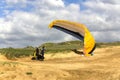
<point>12,53</point>
<point>63,46</point>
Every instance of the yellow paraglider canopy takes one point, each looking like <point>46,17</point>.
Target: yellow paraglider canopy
<point>78,30</point>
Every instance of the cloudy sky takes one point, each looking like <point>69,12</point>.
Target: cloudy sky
<point>25,22</point>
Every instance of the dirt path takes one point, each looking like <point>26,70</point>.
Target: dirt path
<point>104,65</point>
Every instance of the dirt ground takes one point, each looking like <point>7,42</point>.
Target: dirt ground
<point>104,65</point>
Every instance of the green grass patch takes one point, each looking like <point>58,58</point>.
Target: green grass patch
<point>62,47</point>
<point>29,73</point>
<point>12,53</point>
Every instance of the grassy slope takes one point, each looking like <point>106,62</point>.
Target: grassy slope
<point>11,53</point>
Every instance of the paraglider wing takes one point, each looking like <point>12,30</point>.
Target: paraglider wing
<point>77,30</point>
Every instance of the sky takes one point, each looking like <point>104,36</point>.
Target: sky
<point>25,22</point>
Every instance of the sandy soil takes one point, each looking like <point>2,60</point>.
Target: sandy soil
<point>104,65</point>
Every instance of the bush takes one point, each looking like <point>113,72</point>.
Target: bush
<point>12,53</point>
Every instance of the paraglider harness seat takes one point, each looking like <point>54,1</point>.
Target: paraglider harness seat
<point>40,57</point>
<point>37,55</point>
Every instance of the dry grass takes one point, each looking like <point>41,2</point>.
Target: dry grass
<point>104,65</point>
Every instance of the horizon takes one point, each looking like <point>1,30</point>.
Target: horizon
<point>109,43</point>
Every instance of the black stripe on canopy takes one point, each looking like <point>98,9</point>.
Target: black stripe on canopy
<point>76,34</point>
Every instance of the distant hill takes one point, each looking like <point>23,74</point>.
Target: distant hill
<point>69,45</point>
<point>62,46</point>
<point>51,48</point>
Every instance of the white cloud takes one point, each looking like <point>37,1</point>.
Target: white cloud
<point>54,3</point>
<point>21,28</point>
<point>5,26</point>
<point>111,1</point>
<point>107,36</point>
<point>12,2</point>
